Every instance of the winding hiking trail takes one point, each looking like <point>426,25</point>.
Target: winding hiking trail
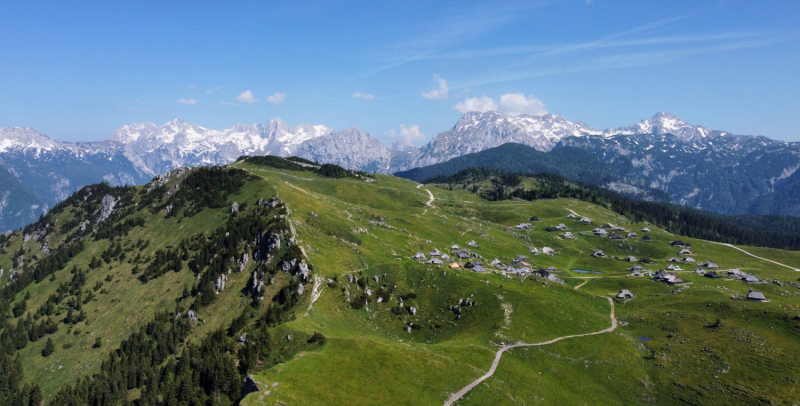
<point>428,203</point>
<point>458,395</point>
<point>587,281</point>
<point>755,256</point>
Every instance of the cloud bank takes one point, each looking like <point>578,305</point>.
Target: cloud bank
<point>277,98</point>
<point>512,104</point>
<point>440,93</point>
<point>246,97</point>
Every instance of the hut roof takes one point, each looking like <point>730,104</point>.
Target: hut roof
<point>750,279</point>
<point>624,294</point>
<point>679,243</point>
<point>758,296</point>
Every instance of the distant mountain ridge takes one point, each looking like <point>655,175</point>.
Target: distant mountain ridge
<point>704,168</point>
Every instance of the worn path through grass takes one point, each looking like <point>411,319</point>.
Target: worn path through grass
<point>754,256</point>
<point>458,395</point>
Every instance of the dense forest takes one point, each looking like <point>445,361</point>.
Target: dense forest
<point>674,218</point>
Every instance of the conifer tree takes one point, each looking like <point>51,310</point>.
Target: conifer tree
<point>48,348</point>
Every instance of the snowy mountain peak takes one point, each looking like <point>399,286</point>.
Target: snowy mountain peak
<point>472,118</point>
<point>668,123</point>
<point>25,138</point>
<point>131,132</point>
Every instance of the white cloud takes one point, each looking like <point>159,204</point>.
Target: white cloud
<point>481,104</point>
<point>192,86</point>
<point>277,98</point>
<point>246,97</point>
<point>440,93</point>
<point>187,101</point>
<point>512,104</point>
<point>365,96</point>
<point>515,104</point>
<point>411,133</point>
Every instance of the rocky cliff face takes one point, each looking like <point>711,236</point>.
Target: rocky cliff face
<point>351,148</point>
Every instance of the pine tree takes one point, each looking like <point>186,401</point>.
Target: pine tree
<point>36,396</point>
<point>48,347</point>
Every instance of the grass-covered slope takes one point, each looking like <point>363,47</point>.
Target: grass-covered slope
<point>495,185</point>
<point>372,325</point>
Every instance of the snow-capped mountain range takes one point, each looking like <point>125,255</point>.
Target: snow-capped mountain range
<point>135,153</point>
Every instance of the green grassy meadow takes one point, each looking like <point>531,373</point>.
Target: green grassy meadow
<point>375,354</point>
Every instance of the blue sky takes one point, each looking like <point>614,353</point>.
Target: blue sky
<point>78,70</point>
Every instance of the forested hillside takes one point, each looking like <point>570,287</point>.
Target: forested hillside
<point>77,255</point>
<point>572,163</point>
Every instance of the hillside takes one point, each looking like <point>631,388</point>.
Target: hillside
<point>763,231</point>
<point>348,317</point>
<point>572,163</point>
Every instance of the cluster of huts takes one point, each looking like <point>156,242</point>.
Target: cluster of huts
<point>732,273</point>
<point>462,258</point>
